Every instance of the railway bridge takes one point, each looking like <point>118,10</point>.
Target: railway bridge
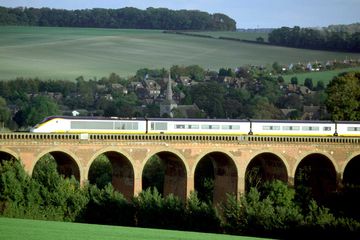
<point>330,162</point>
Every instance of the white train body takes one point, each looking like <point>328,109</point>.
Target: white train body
<point>196,126</point>
<point>90,125</point>
<point>301,128</point>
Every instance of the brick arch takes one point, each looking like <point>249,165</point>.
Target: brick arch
<point>123,170</point>
<point>9,152</point>
<point>321,177</point>
<point>226,174</point>
<point>70,154</point>
<point>202,155</point>
<point>110,149</point>
<point>351,166</point>
<point>306,154</point>
<point>176,171</point>
<point>277,154</point>
<point>271,166</point>
<point>165,149</point>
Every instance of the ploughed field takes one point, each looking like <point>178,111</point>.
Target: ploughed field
<point>14,229</point>
<point>67,53</point>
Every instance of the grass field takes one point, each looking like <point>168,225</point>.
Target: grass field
<point>325,76</point>
<point>66,53</point>
<point>20,229</point>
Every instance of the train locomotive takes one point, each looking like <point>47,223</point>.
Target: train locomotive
<point>68,124</point>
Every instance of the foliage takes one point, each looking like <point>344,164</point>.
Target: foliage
<point>100,173</point>
<point>315,39</point>
<point>45,196</point>
<point>153,174</point>
<point>201,216</point>
<point>273,210</point>
<point>151,18</point>
<point>344,96</point>
<point>152,210</point>
<point>107,206</point>
<point>36,110</point>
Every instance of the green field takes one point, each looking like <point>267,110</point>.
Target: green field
<point>325,76</point>
<point>66,53</point>
<point>20,229</point>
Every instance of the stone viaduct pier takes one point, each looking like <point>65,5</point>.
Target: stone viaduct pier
<point>331,161</point>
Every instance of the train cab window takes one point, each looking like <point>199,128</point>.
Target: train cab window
<point>326,129</point>
<point>310,128</point>
<point>271,128</point>
<point>291,128</point>
<point>158,126</point>
<point>230,127</point>
<point>353,129</point>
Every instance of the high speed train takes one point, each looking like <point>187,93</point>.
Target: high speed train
<point>65,124</point>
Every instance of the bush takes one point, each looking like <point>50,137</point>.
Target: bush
<point>107,206</point>
<point>201,216</point>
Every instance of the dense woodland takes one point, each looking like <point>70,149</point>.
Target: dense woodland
<point>151,18</point>
<point>336,39</point>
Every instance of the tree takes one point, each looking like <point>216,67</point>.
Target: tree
<point>309,83</point>
<point>39,108</point>
<point>294,80</point>
<point>5,113</point>
<point>343,100</point>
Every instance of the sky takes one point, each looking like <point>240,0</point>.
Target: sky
<point>246,13</point>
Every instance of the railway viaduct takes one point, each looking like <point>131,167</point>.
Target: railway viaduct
<point>331,161</point>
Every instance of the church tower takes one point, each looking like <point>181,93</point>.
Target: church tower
<point>169,104</point>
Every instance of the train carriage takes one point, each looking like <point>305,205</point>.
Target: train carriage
<point>90,125</point>
<point>198,126</point>
<point>292,128</point>
<point>64,124</point>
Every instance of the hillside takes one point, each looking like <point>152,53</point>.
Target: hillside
<point>67,53</point>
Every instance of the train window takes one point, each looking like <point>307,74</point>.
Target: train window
<point>91,125</point>
<point>230,127</point>
<point>158,126</point>
<point>126,125</point>
<point>271,127</point>
<point>179,126</point>
<point>290,128</point>
<point>327,128</point>
<point>353,129</point>
<point>210,126</point>
<point>193,126</point>
<point>310,128</point>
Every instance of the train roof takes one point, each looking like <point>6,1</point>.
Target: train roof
<point>196,120</point>
<point>290,121</point>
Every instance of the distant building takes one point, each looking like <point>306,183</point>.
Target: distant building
<point>167,106</point>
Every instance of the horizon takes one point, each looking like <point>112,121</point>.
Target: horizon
<point>257,14</point>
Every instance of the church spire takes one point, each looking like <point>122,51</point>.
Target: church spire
<point>169,93</point>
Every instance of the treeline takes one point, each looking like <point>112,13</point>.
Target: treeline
<point>151,18</point>
<point>315,39</point>
<point>273,210</point>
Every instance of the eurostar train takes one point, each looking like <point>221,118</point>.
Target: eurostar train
<point>64,124</point>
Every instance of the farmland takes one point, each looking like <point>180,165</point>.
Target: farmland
<point>66,53</point>
<point>324,76</point>
<point>33,229</point>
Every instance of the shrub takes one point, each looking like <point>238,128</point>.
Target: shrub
<point>107,206</point>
